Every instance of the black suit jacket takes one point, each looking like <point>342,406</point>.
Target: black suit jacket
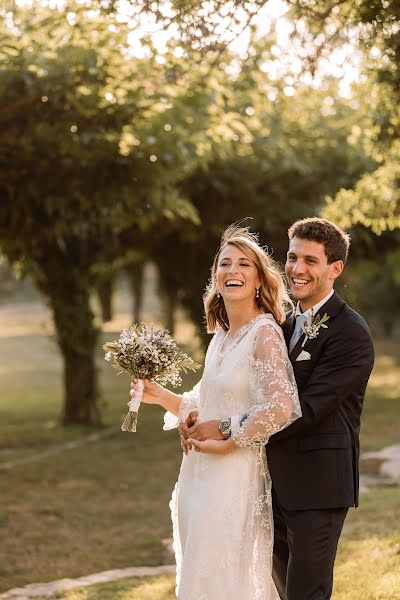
<point>314,462</point>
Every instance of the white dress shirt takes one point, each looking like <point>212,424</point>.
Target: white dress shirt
<point>313,309</point>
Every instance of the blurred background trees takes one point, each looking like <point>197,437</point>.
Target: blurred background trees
<point>110,157</point>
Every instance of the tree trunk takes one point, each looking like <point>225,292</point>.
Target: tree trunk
<point>105,288</point>
<point>77,338</point>
<point>169,305</point>
<point>388,327</point>
<point>67,285</point>
<point>136,278</point>
<point>80,404</point>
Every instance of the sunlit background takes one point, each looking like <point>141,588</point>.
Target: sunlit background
<point>131,134</point>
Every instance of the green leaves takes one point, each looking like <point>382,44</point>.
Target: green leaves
<point>77,127</point>
<point>374,202</point>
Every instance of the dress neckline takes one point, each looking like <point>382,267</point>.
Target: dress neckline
<point>238,336</point>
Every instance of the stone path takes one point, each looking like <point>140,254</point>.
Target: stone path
<point>380,468</point>
<point>46,590</point>
<point>34,457</point>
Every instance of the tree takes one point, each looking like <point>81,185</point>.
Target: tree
<point>371,211</point>
<point>374,202</point>
<point>371,25</point>
<point>374,27</point>
<point>371,280</point>
<point>201,25</point>
<point>371,206</point>
<point>78,172</point>
<point>272,157</point>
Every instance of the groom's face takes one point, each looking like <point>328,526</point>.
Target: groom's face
<point>310,276</point>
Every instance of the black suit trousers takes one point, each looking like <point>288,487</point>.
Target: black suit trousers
<point>305,544</point>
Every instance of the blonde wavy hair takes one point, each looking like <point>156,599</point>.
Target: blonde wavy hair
<point>273,297</point>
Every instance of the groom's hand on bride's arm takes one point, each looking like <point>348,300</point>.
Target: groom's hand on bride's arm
<point>183,429</point>
<point>208,430</point>
<point>213,446</point>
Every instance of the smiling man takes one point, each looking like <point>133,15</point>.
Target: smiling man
<point>314,463</point>
<point>311,272</point>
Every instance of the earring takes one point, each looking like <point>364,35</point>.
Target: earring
<point>257,293</point>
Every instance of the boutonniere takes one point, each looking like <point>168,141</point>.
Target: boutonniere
<point>312,326</point>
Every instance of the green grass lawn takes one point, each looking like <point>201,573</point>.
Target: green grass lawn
<point>104,505</point>
<point>99,506</point>
<point>380,420</point>
<point>367,566</point>
<point>368,563</point>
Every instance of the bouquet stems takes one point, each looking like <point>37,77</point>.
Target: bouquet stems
<point>130,421</point>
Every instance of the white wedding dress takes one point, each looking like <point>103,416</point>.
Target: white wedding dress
<point>221,505</point>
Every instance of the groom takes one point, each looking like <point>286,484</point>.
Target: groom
<point>313,463</point>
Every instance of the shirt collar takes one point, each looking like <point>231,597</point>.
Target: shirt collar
<point>313,309</point>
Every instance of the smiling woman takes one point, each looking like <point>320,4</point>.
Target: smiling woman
<point>238,281</point>
<point>247,394</point>
<point>245,282</point>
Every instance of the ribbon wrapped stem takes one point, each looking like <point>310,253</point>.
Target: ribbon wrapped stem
<point>130,421</point>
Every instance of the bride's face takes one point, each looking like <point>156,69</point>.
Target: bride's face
<point>237,275</point>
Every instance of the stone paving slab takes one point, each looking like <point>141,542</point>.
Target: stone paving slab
<point>383,464</point>
<point>46,590</point>
<point>388,453</point>
<point>59,448</point>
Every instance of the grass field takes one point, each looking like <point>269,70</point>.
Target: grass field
<point>380,421</point>
<point>104,505</point>
<point>367,566</point>
<point>98,506</point>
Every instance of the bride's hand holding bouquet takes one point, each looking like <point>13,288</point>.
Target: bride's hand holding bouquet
<point>152,392</point>
<point>152,358</point>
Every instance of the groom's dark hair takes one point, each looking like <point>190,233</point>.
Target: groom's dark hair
<point>335,241</point>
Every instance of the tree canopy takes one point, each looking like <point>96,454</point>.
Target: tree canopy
<point>107,157</point>
<point>79,175</point>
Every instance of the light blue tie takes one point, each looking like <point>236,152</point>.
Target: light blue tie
<point>298,331</point>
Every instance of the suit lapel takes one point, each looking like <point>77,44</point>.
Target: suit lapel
<point>331,307</point>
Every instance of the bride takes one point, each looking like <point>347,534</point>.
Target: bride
<point>221,505</point>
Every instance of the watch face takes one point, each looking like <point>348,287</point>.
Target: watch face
<point>225,427</point>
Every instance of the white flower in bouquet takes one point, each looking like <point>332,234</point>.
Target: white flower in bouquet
<point>147,353</point>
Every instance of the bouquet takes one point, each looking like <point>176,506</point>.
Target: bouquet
<point>147,353</point>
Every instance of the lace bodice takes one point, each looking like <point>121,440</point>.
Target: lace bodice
<point>250,380</point>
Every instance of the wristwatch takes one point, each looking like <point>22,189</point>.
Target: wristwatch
<point>225,428</point>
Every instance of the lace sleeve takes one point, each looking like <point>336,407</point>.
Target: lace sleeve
<point>190,401</point>
<point>273,391</point>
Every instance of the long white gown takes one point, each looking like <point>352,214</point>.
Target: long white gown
<point>221,505</point>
